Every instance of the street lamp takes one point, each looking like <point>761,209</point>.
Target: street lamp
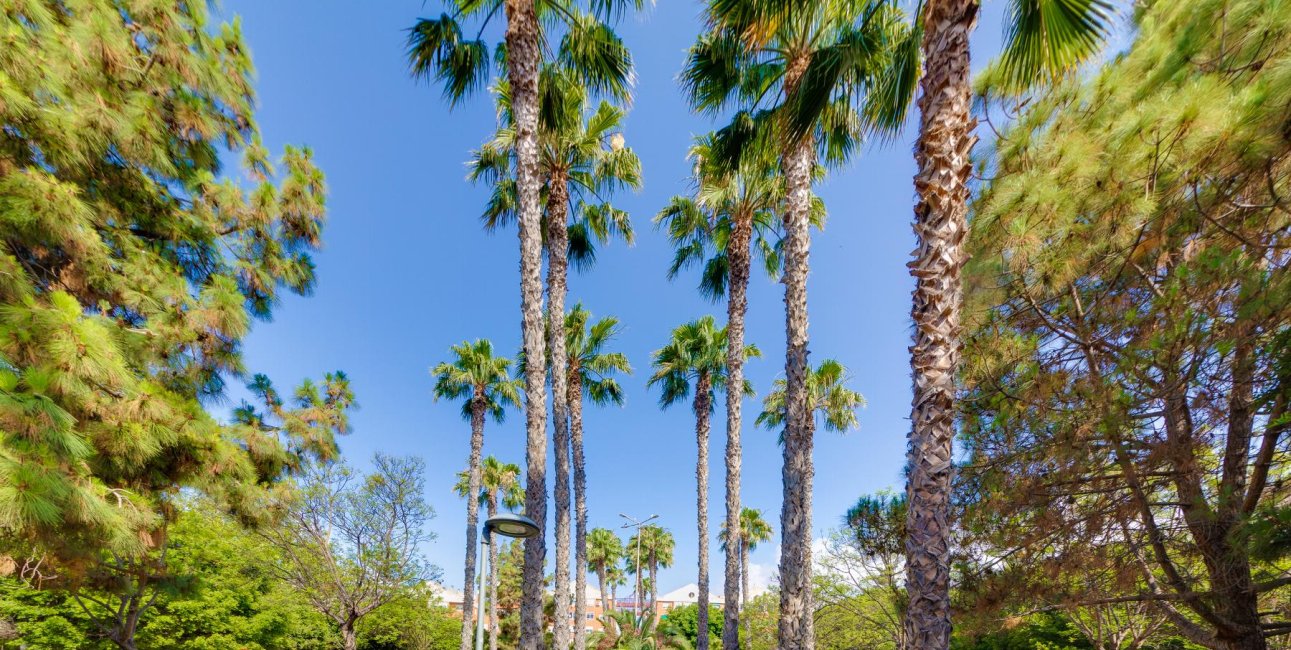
<point>633,523</point>
<point>507,524</point>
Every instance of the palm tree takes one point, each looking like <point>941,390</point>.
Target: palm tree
<point>500,483</point>
<point>590,369</point>
<point>697,354</point>
<point>1043,40</point>
<point>617,577</point>
<point>436,48</point>
<point>657,546</point>
<point>732,210</point>
<point>483,382</point>
<point>798,73</point>
<point>753,530</point>
<point>582,161</point>
<point>827,397</point>
<point>604,551</point>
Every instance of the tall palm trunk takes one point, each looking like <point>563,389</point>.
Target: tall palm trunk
<point>703,412</point>
<point>744,582</point>
<point>580,508</point>
<point>557,272</point>
<point>472,516</point>
<point>796,627</point>
<point>522,71</point>
<point>940,225</point>
<point>493,578</point>
<point>602,578</point>
<point>737,304</point>
<point>654,587</point>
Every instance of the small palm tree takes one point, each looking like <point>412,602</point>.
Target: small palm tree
<point>753,531</point>
<point>604,552</point>
<point>500,484</point>
<point>657,546</point>
<point>828,398</point>
<point>483,383</point>
<point>697,354</point>
<point>591,371</point>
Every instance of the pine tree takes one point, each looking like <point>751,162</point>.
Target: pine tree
<point>131,267</point>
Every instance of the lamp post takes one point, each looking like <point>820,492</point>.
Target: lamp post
<point>507,524</point>
<point>633,523</point>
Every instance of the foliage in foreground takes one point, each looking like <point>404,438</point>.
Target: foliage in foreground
<point>1127,372</point>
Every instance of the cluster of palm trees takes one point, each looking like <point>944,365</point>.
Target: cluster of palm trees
<point>803,83</point>
<point>483,382</point>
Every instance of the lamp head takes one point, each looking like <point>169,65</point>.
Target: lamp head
<point>509,524</point>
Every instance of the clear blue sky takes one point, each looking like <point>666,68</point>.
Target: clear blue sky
<point>407,272</point>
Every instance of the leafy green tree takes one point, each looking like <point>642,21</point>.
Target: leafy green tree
<point>812,79</point>
<point>684,622</point>
<point>697,354</point>
<point>591,370</point>
<point>732,210</point>
<point>132,269</point>
<point>483,383</point>
<point>410,622</point>
<point>593,52</point>
<point>760,620</point>
<point>224,596</point>
<point>349,543</point>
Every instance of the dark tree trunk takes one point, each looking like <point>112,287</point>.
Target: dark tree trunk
<point>349,636</point>
<point>737,252</point>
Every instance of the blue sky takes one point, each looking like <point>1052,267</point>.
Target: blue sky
<point>407,272</point>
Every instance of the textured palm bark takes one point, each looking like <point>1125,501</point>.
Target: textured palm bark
<point>737,303</point>
<point>557,277</point>
<point>580,508</point>
<point>654,587</point>
<point>473,481</point>
<point>796,625</point>
<point>940,226</point>
<point>744,581</point>
<point>522,72</point>
<point>703,406</point>
<point>493,577</point>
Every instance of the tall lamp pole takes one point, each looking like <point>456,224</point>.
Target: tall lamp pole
<point>633,523</point>
<point>507,525</point>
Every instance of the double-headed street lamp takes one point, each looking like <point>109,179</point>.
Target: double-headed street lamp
<point>633,523</point>
<point>507,524</point>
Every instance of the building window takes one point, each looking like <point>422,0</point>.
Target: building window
<point>591,616</point>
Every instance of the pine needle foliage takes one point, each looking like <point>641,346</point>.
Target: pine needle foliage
<point>1126,369</point>
<point>131,267</point>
